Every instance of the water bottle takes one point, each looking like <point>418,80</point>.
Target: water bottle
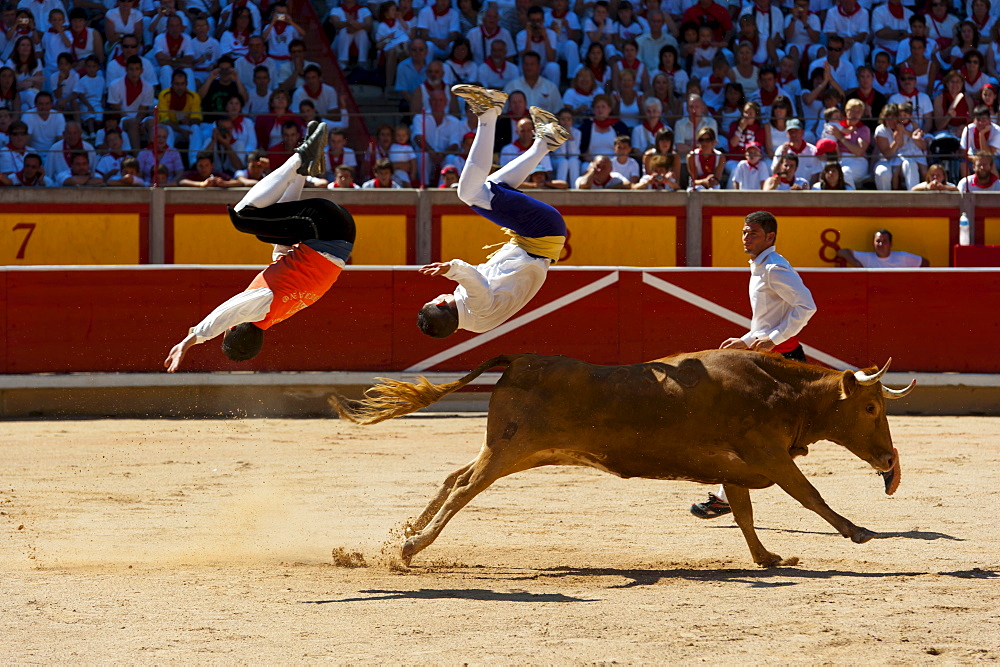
<point>964,230</point>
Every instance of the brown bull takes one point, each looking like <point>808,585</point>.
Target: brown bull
<point>733,417</point>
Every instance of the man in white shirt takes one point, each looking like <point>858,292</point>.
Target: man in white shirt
<point>781,305</point>
<point>982,179</point>
<point>491,293</point>
<point>437,23</point>
<point>435,133</point>
<point>982,134</point>
<point>849,21</point>
<point>600,175</point>
<point>352,24</point>
<point>489,30</point>
<point>496,71</point>
<point>651,42</point>
<point>884,257</point>
<point>44,125</point>
<point>539,91</point>
<point>313,240</point>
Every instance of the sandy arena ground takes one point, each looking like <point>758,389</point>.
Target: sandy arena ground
<point>211,541</point>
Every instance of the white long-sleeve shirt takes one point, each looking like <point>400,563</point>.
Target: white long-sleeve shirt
<point>780,301</point>
<point>491,293</point>
<point>251,305</point>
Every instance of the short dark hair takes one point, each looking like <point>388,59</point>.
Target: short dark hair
<point>243,342</point>
<point>438,320</point>
<point>383,164</point>
<point>765,219</point>
<point>205,155</point>
<point>530,54</point>
<point>312,68</point>
<point>133,60</point>
<point>261,68</point>
<point>884,231</point>
<point>256,155</point>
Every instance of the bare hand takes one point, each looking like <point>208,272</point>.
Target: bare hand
<point>733,344</point>
<point>177,352</point>
<point>435,269</point>
<point>764,344</point>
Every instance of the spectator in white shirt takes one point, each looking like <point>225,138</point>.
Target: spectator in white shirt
<point>44,125</point>
<point>884,257</point>
<point>496,71</point>
<point>600,176</point>
<point>540,92</point>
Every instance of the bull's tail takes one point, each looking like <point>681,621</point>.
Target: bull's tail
<point>393,398</point>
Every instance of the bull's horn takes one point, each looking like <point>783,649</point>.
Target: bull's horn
<point>898,393</point>
<point>864,379</point>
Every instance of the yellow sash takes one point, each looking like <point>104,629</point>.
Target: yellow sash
<point>543,246</point>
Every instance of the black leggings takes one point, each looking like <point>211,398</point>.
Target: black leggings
<point>288,223</point>
<point>798,354</point>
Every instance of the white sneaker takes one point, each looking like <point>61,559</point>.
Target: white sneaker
<point>480,99</point>
<point>548,128</point>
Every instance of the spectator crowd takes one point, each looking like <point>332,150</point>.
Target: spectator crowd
<point>660,95</point>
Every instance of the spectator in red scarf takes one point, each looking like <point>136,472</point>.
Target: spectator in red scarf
<point>597,134</point>
<point>134,98</point>
<point>382,176</point>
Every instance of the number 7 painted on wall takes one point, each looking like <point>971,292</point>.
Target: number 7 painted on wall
<point>30,226</point>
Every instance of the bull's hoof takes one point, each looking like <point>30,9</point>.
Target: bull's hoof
<point>862,535</point>
<point>407,552</point>
<point>768,560</point>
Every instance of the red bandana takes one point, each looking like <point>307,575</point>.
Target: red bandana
<point>606,123</point>
<point>598,71</point>
<point>634,65</point>
<point>499,70</point>
<point>976,138</point>
<point>857,8</point>
<point>767,98</point>
<point>992,179</point>
<point>895,10</point>
<point>521,147</point>
<point>390,22</point>
<point>69,150</point>
<point>707,162</point>
<point>79,41</point>
<point>351,12</point>
<point>653,130</point>
<point>882,77</point>
<point>486,35</point>
<point>438,14</point>
<point>174,44</point>
<point>132,90</point>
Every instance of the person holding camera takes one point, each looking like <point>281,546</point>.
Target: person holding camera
<point>283,30</point>
<point>538,39</point>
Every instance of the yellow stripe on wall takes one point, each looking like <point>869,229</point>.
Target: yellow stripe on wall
<point>598,240</point>
<point>73,238</point>
<point>211,239</point>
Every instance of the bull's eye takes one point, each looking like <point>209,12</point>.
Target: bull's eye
<point>871,408</point>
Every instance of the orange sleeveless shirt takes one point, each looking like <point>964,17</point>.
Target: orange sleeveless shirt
<point>298,279</point>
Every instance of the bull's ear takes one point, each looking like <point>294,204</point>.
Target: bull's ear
<point>848,384</point>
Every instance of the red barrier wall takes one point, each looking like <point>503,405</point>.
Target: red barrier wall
<point>101,320</point>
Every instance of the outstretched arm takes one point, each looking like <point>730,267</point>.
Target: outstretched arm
<point>177,352</point>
